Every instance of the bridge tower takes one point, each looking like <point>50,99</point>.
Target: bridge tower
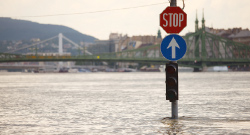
<point>200,44</point>
<point>196,23</point>
<point>60,49</point>
<point>203,44</point>
<point>197,47</point>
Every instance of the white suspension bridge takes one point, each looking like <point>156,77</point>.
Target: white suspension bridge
<point>43,65</point>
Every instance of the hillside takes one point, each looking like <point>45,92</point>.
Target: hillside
<point>11,29</point>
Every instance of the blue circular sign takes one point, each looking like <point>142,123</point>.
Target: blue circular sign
<point>173,47</point>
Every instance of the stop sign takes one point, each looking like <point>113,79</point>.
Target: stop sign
<point>173,19</point>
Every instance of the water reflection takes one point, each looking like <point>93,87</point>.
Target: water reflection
<point>203,125</point>
<point>172,126</point>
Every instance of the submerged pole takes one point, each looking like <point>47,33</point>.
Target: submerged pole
<point>174,109</point>
<point>174,104</point>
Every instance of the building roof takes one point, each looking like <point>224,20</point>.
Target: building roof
<point>231,36</point>
<point>243,33</point>
<point>144,45</point>
<point>221,33</point>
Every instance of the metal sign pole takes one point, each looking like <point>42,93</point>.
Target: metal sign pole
<point>174,109</point>
<point>173,19</point>
<point>174,103</point>
<point>174,106</point>
<point>173,3</point>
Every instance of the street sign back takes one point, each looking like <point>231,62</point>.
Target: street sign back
<point>173,47</point>
<point>173,19</point>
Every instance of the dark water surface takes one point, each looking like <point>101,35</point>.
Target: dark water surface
<point>123,103</point>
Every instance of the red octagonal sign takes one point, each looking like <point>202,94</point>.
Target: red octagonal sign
<point>173,19</point>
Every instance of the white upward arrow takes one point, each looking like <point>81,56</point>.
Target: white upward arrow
<point>173,44</point>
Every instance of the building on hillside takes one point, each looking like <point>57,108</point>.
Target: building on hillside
<point>236,34</point>
<point>135,42</point>
<point>102,46</point>
<point>118,42</point>
<point>241,37</point>
<point>124,42</point>
<point>116,38</point>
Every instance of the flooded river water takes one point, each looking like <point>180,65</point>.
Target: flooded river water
<point>123,103</point>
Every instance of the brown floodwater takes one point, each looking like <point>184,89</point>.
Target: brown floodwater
<point>123,103</point>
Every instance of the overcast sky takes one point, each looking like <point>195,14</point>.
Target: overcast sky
<point>143,20</point>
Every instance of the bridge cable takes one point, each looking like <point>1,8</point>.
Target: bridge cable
<point>32,45</point>
<point>90,12</point>
<point>86,51</point>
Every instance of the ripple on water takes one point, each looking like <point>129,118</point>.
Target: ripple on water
<point>123,103</point>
